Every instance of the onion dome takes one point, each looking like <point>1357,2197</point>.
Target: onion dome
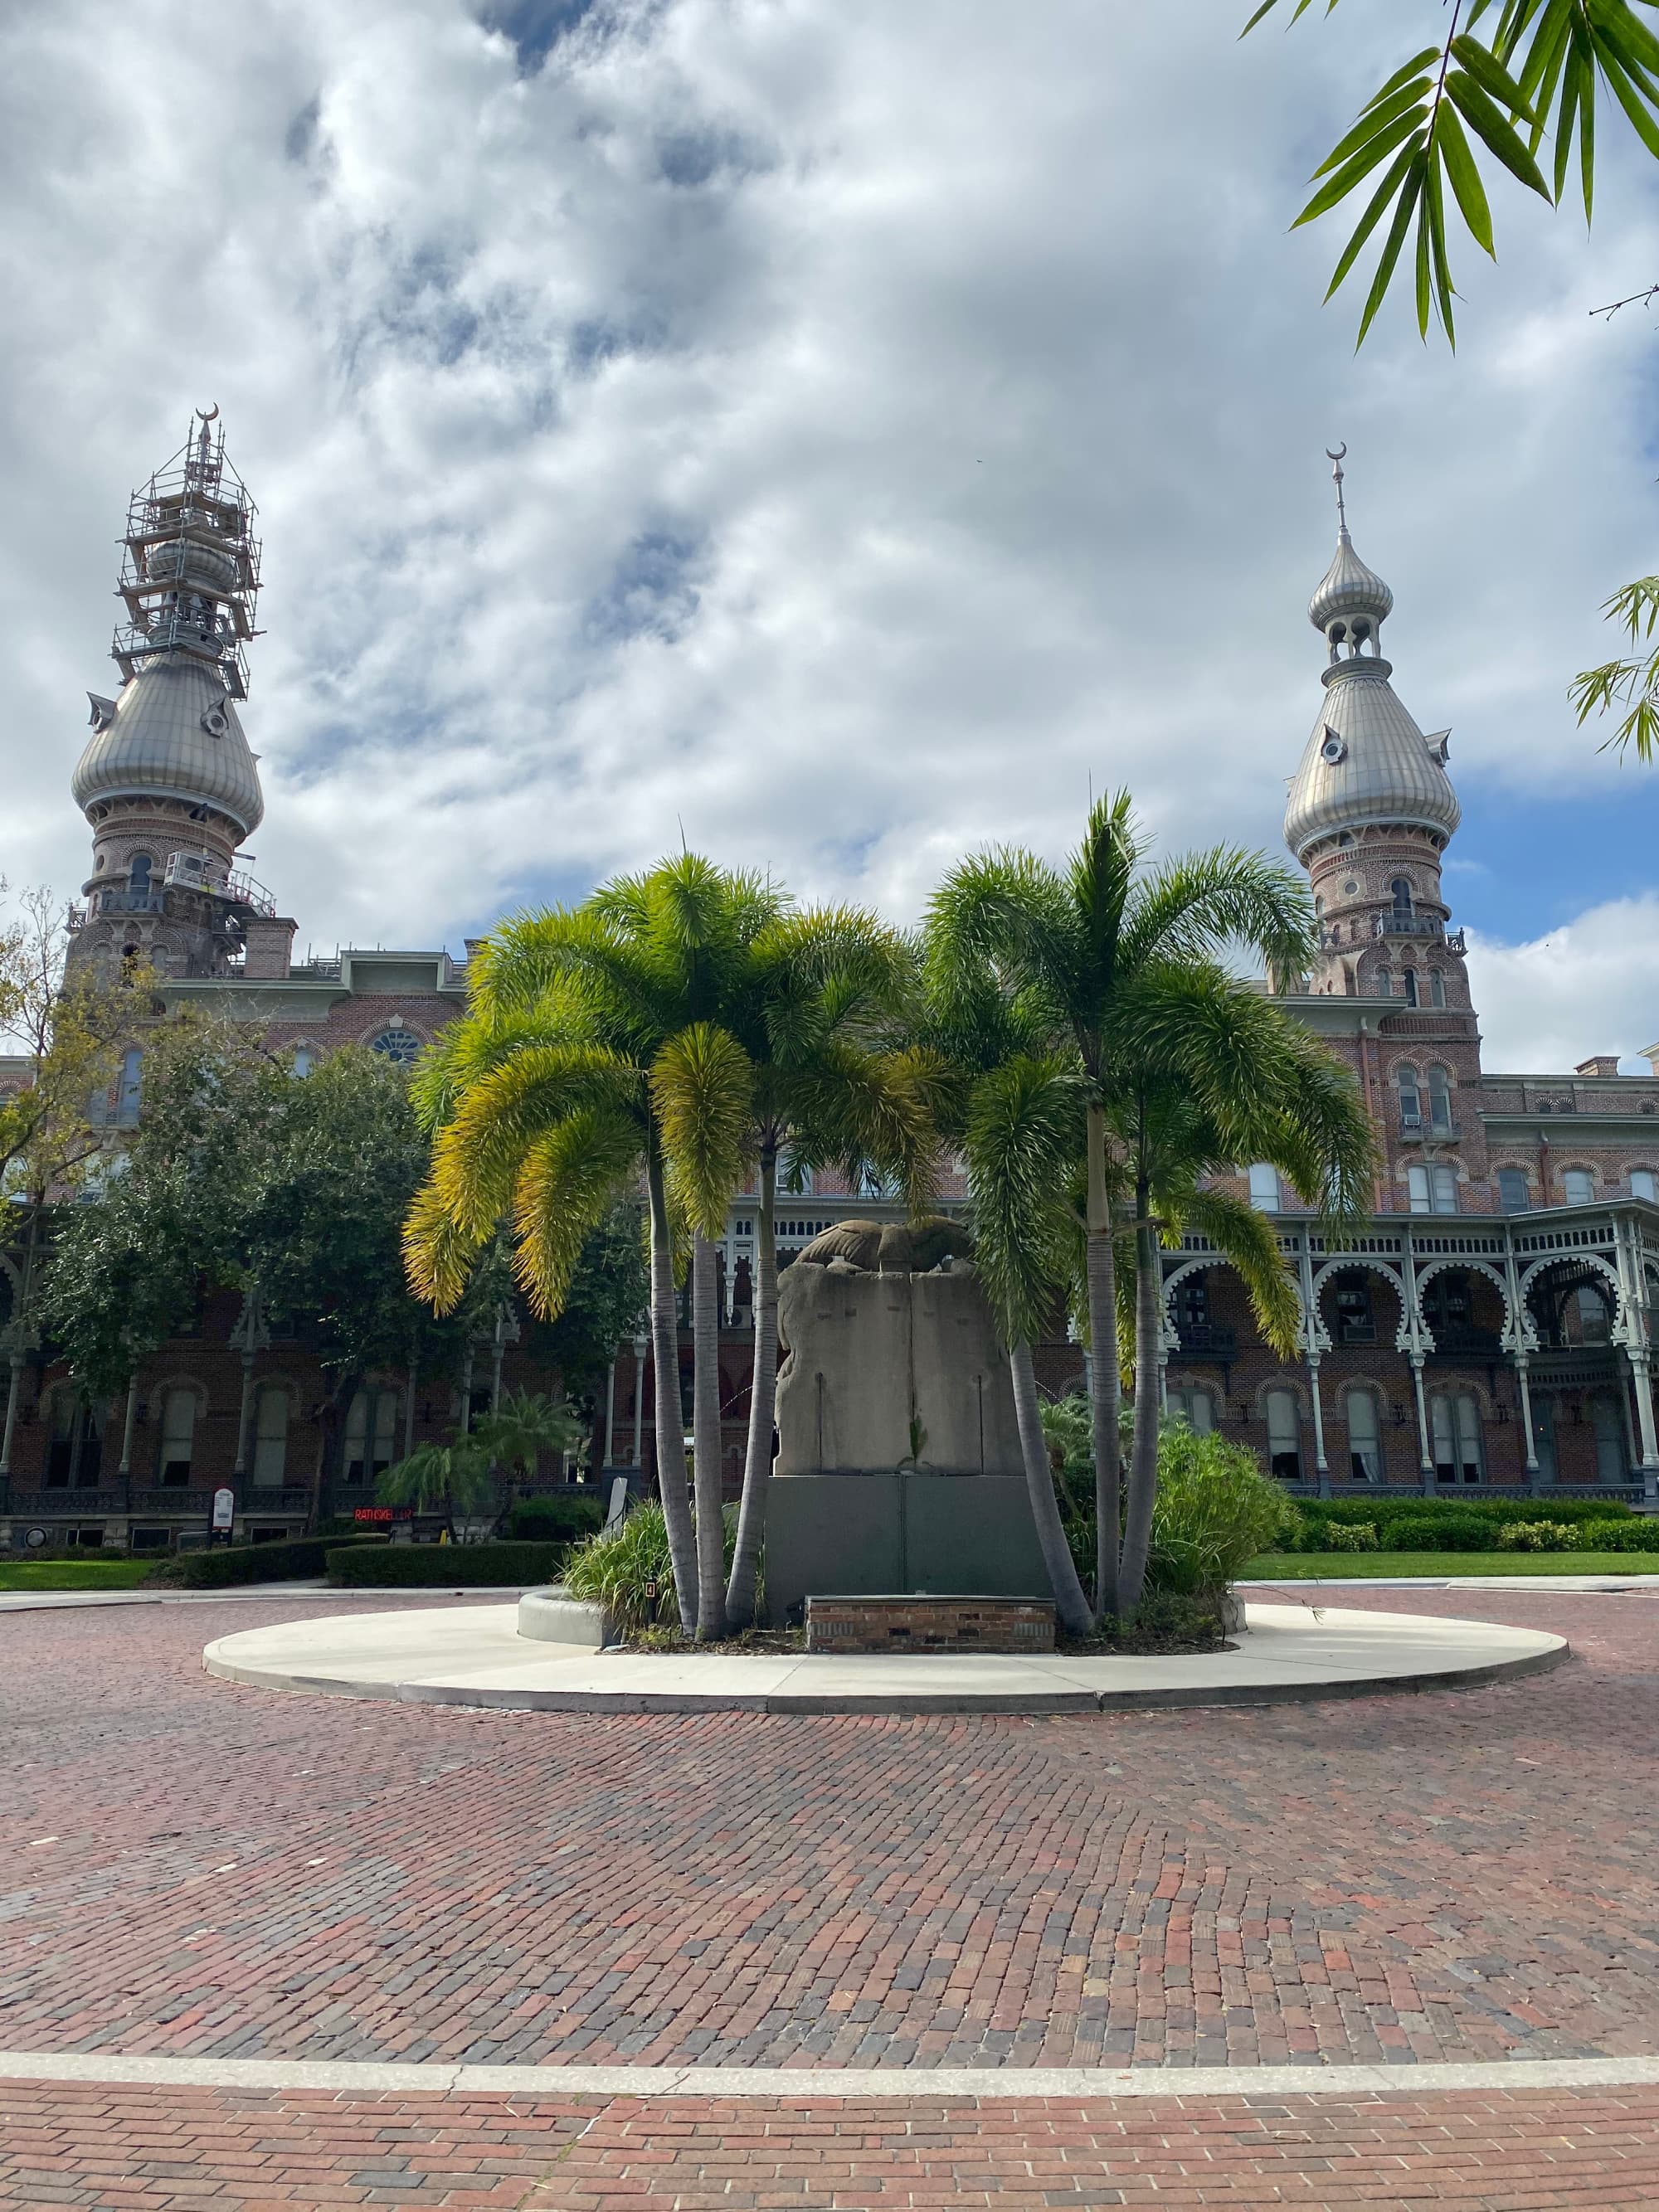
<point>1366,761</point>
<point>173,732</point>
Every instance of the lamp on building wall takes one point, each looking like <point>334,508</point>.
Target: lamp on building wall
<point>1400,1414</point>
<point>1243,1415</point>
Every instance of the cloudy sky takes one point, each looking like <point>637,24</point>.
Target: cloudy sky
<point>841,432</point>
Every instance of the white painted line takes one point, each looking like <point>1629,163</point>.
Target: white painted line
<point>791,2083</point>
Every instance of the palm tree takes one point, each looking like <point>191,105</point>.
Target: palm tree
<point>814,1009</point>
<point>1067,948</point>
<point>1020,1132</point>
<point>591,1033</point>
<point>460,1476</point>
<point>1221,1075</point>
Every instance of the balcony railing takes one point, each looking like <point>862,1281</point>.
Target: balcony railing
<point>1414,1127</point>
<point>1203,1341</point>
<point>1457,1340</point>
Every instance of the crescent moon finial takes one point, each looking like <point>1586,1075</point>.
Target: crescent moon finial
<point>1337,458</point>
<point>211,414</point>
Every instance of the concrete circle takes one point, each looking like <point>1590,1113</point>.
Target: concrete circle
<point>475,1656</point>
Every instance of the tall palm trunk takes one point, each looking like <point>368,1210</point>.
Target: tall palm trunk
<point>671,1421</point>
<point>1143,1452</point>
<point>1069,1600</point>
<point>706,1442</point>
<point>1101,1283</point>
<point>763,1404</point>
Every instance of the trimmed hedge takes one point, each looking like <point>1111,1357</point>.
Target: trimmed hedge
<point>1382,1512</point>
<point>302,1561</point>
<point>1440,1532</point>
<point>461,1566</point>
<point>552,1519</point>
<point>1632,1536</point>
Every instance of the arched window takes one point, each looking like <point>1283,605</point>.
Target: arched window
<point>127,1087</point>
<point>305,1059</point>
<point>1411,1099</point>
<point>178,1438</point>
<point>1514,1192</point>
<point>1594,1319</point>
<point>1400,890</point>
<point>1350,1302</point>
<point>1454,1425</point>
<point>1432,1190</point>
<point>371,1435</point>
<point>1578,1187</point>
<point>138,868</point>
<point>1440,1112</point>
<point>1264,1187</point>
<point>1609,1439</point>
<point>1193,1405</point>
<point>271,1437</point>
<point>1641,1184</point>
<point>1543,1435</point>
<point>1409,979</point>
<point>1284,1435</point>
<point>1437,988</point>
<point>75,1456</point>
<point>399,1045</point>
<point>1365,1440</point>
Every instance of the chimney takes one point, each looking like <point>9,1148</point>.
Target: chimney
<point>1599,1063</point>
<point>1650,1053</point>
<point>269,940</point>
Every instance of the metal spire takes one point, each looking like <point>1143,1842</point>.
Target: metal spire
<point>1337,459</point>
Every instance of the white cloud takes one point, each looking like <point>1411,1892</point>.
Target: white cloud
<point>847,431</point>
<point>1590,987</point>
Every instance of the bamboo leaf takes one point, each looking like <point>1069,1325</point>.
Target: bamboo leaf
<point>1571,93</point>
<point>1470,193</point>
<point>1409,193</point>
<point>1368,221</point>
<point>1482,117</point>
<point>1376,117</point>
<point>1434,202</point>
<point>1631,100</point>
<point>1375,150</point>
<point>1490,73</point>
<point>1424,281</point>
<point>1428,59</point>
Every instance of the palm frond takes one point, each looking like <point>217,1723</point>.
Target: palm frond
<point>701,1092</point>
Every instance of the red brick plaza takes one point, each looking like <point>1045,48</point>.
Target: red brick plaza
<point>195,1871</point>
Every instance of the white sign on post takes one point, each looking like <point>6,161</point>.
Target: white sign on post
<point>619,1504</point>
<point>224,1508</point>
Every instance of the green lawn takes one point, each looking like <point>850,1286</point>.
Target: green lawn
<point>1311,1566</point>
<point>73,1574</point>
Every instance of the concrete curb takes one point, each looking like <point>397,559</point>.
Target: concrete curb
<point>1025,1692</point>
<point>792,2084</point>
<point>249,1593</point>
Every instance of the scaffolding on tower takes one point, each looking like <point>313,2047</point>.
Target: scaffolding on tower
<point>190,569</point>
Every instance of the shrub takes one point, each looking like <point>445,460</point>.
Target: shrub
<point>1351,1536</point>
<point>1633,1534</point>
<point>628,1571</point>
<point>546,1520</point>
<point>1215,1510</point>
<point>1537,1536</point>
<point>1440,1532</point>
<point>458,1566</point>
<point>302,1561</point>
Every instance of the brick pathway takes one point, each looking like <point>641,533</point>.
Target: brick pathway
<point>188,1868</point>
<point>145,2150</point>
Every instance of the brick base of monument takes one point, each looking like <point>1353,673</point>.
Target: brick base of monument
<point>929,1624</point>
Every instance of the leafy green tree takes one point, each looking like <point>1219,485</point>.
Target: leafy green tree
<point>1221,1075</point>
<point>462,1477</point>
<point>1536,71</point>
<point>63,1030</point>
<point>1064,960</point>
<point>595,1047</point>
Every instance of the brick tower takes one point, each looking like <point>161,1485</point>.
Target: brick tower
<point>167,781</point>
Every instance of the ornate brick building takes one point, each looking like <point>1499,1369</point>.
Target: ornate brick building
<point>1491,1327</point>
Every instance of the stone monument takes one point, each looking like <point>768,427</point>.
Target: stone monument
<point>898,1467</point>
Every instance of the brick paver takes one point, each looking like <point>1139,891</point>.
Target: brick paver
<point>144,2150</point>
<point>191,1867</point>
